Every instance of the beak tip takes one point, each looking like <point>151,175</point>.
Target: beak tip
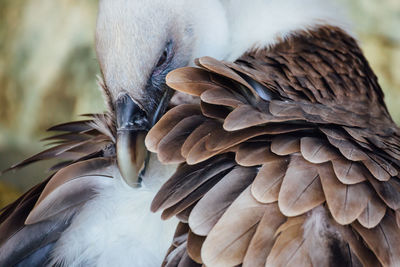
<point>131,155</point>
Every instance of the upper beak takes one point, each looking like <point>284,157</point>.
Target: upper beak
<point>132,125</point>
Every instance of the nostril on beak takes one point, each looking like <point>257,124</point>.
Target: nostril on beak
<point>129,115</point>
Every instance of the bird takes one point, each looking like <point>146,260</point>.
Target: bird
<point>276,150</point>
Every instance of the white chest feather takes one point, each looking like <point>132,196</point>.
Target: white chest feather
<point>117,228</point>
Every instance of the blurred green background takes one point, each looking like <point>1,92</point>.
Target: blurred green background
<point>48,71</point>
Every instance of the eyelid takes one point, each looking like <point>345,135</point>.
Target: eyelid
<point>168,49</point>
<point>163,58</point>
<point>169,55</point>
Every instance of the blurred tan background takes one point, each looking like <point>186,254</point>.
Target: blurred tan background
<point>48,71</point>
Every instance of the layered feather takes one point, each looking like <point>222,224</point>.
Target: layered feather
<point>30,226</point>
<point>322,150</point>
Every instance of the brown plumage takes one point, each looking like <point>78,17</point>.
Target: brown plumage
<point>314,180</point>
<point>37,219</point>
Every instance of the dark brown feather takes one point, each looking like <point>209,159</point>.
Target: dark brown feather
<point>200,132</point>
<point>383,240</point>
<point>285,145</point>
<point>264,238</point>
<point>316,150</point>
<point>193,81</point>
<point>167,123</point>
<point>214,111</point>
<point>212,206</point>
<point>73,127</point>
<point>310,112</point>
<point>188,178</point>
<point>373,213</point>
<point>169,148</point>
<point>194,245</point>
<point>245,116</point>
<point>346,202</point>
<point>301,188</point>
<point>39,217</point>
<point>220,96</point>
<point>267,185</point>
<point>349,172</point>
<point>69,187</point>
<point>227,242</point>
<point>253,154</point>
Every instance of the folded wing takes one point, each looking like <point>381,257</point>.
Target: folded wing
<point>313,173</point>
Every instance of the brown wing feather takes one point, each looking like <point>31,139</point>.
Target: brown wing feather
<point>289,248</point>
<point>227,242</point>
<point>253,154</point>
<point>349,172</point>
<point>267,184</point>
<point>167,123</point>
<point>264,238</point>
<point>191,80</point>
<point>315,150</point>
<point>245,116</point>
<point>14,215</point>
<point>308,115</point>
<point>220,96</point>
<point>213,205</point>
<point>69,187</point>
<point>38,218</point>
<point>169,148</point>
<point>194,244</point>
<point>188,178</point>
<point>373,213</point>
<point>285,145</point>
<point>301,188</point>
<point>214,111</point>
<point>383,240</point>
<point>346,202</point>
<point>198,134</point>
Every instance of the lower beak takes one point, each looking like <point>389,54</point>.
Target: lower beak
<point>132,126</point>
<point>131,156</point>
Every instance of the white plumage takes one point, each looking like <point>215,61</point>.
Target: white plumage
<point>116,228</point>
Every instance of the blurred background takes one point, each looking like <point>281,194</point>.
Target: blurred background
<point>48,71</point>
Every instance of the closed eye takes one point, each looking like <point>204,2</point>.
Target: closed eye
<point>165,57</point>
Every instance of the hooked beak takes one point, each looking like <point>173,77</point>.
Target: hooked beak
<point>132,126</point>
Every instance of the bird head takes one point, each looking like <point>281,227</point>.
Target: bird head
<point>137,43</point>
